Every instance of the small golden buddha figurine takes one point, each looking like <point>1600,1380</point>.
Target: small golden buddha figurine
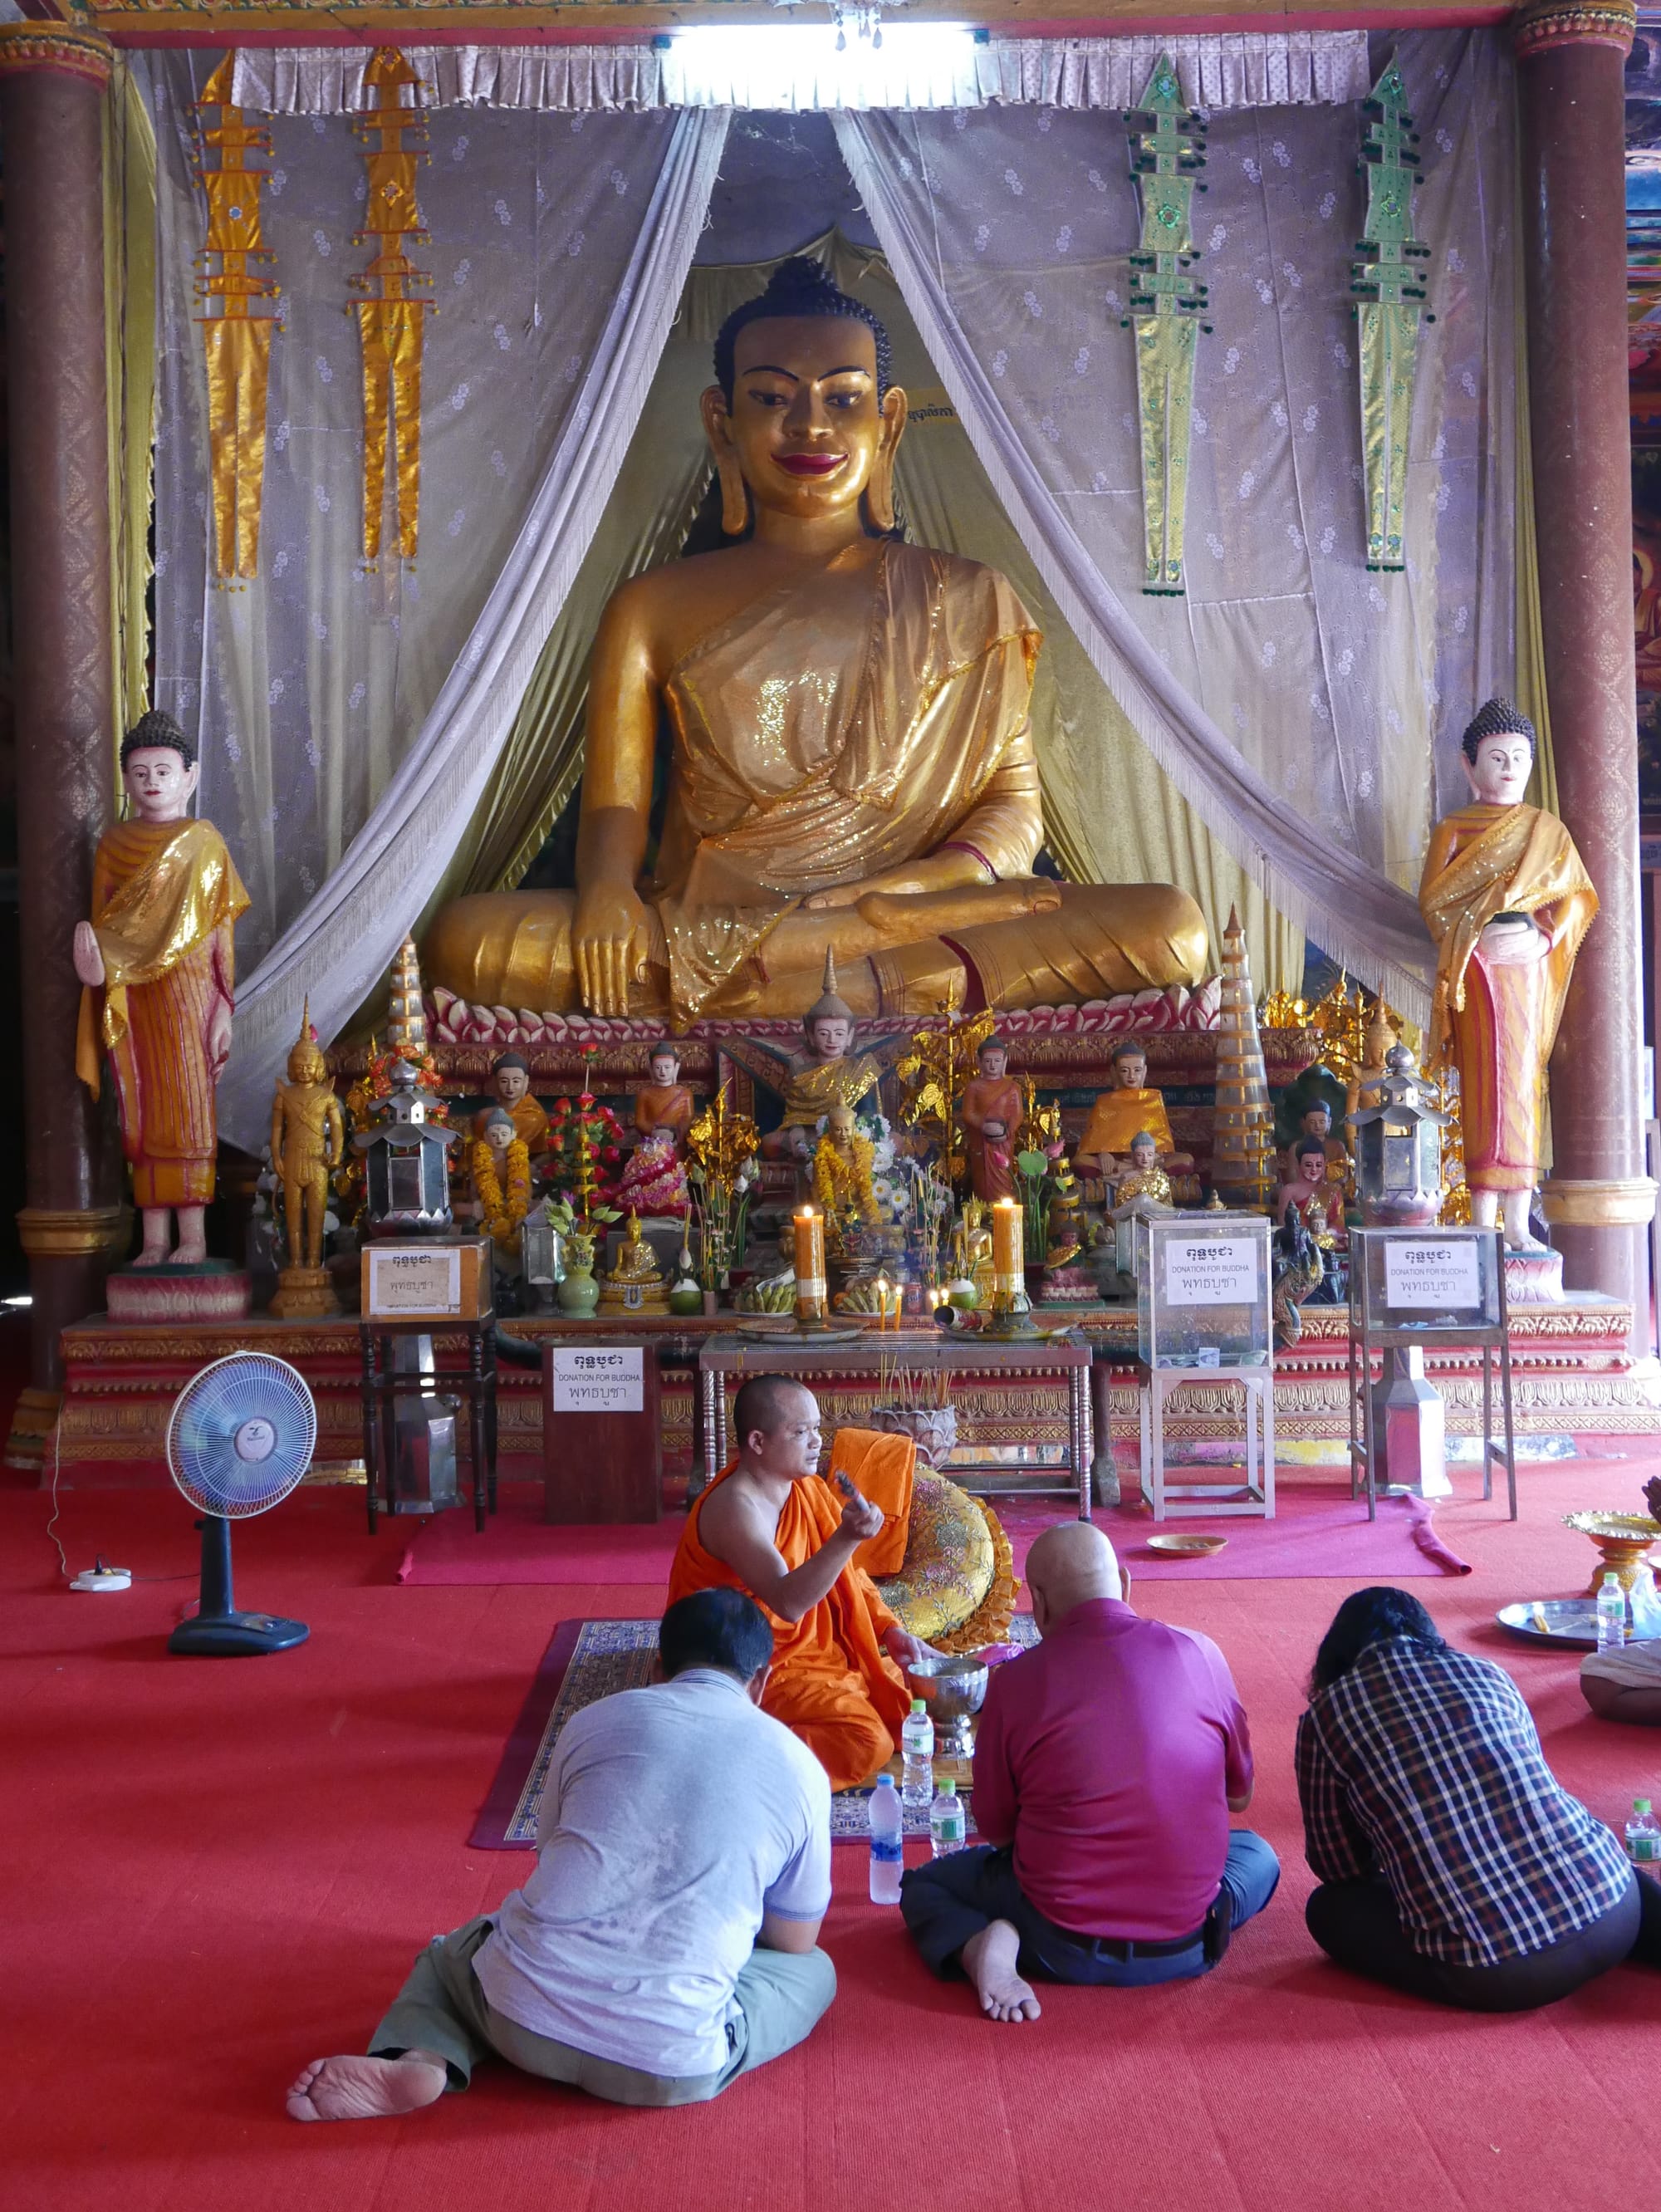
<point>826,1074</point>
<point>972,1255</point>
<point>663,1106</point>
<point>308,1141</point>
<point>1507,900</point>
<point>1143,1178</point>
<point>1121,1114</point>
<point>1363,1086</point>
<point>842,1174</point>
<point>635,1284</point>
<point>852,757</point>
<point>510,1080</point>
<point>1065,1237</point>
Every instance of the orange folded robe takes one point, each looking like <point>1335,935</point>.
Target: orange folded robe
<point>832,1684</point>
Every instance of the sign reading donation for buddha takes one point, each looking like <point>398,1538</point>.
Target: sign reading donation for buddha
<point>1211,1271</point>
<point>1423,1274</point>
<point>598,1382</point>
<point>414,1282</point>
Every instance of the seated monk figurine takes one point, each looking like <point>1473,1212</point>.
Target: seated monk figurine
<point>1315,1127</point>
<point>1120,1113</point>
<point>1318,1201</point>
<point>769,1524</point>
<point>510,1079</point>
<point>991,1114</point>
<point>852,762</point>
<point>1507,900</point>
<point>664,1104</point>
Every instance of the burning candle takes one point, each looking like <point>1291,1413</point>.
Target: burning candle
<point>1008,1246</point>
<point>881,1287</point>
<point>810,1264</point>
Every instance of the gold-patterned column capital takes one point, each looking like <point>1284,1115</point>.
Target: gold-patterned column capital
<point>55,46</point>
<point>59,1232</point>
<point>1546,23</point>
<point>1616,1202</point>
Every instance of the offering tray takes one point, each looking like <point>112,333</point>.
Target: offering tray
<point>1622,1542</point>
<point>1570,1623</point>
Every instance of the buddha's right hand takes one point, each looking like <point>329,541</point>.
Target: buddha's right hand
<point>88,957</point>
<point>609,937</point>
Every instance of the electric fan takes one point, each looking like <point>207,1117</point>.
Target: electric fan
<point>239,1439</point>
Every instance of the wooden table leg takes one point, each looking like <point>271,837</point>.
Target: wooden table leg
<point>387,1394</point>
<point>475,1421</point>
<point>371,1456</point>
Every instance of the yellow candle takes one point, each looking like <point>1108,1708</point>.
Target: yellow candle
<point>810,1262</point>
<point>1009,1239</point>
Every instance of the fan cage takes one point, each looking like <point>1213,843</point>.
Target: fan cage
<point>209,1413</point>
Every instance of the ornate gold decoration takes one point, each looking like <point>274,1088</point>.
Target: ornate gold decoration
<point>934,1071</point>
<point>1623,1543</point>
<point>1388,310</point>
<point>1547,23</point>
<point>1281,1011</point>
<point>55,46</point>
<point>236,330</point>
<point>1617,1202</point>
<point>47,1232</point>
<point>1166,304</point>
<point>1243,1139</point>
<point>391,320</point>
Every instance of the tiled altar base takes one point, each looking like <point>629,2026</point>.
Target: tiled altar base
<point>1571,1373</point>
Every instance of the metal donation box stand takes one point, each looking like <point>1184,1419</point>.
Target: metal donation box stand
<point>1413,1290</point>
<point>1203,1320</point>
<point>421,1288</point>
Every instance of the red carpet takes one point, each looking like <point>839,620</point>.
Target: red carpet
<point>217,1869</point>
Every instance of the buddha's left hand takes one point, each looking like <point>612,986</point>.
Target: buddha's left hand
<point>219,1036</point>
<point>936,872</point>
<point>1511,945</point>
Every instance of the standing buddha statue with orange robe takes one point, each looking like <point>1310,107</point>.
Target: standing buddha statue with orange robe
<point>852,765</point>
<point>991,1114</point>
<point>158,967</point>
<point>1507,900</point>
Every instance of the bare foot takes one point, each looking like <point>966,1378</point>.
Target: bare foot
<point>988,1960</point>
<point>190,1256</point>
<point>151,1256</point>
<point>353,2088</point>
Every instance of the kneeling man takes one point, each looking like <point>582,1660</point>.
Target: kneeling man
<point>770,1526</point>
<point>665,1944</point>
<point>1106,1766</point>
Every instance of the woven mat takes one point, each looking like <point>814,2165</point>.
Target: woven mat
<point>588,1660</point>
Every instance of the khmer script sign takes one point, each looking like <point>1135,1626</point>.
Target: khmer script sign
<point>599,1382</point>
<point>1431,1274</point>
<point>1211,1271</point>
<point>413,1280</point>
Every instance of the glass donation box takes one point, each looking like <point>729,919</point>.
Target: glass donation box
<point>1203,1289</point>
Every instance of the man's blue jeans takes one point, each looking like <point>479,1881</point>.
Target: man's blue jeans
<point>951,1899</point>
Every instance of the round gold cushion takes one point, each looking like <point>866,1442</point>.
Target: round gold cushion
<point>956,1569</point>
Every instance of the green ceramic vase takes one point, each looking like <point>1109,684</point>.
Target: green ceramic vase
<point>579,1294</point>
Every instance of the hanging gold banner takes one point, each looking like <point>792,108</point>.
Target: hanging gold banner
<point>237,326</point>
<point>1389,290</point>
<point>391,320</point>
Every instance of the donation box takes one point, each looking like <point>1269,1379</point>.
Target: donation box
<point>1202,1287</point>
<point>602,1450</point>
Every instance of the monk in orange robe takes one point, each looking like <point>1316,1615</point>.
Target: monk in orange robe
<point>991,1114</point>
<point>802,1548</point>
<point>664,1102</point>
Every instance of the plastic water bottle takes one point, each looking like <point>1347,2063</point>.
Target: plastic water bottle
<point>916,1743</point>
<point>1643,1835</point>
<point>1611,1615</point>
<point>887,1842</point>
<point>947,1824</point>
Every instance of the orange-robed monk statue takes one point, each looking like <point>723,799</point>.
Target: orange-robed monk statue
<point>852,767</point>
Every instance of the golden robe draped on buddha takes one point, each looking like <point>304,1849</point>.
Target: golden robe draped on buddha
<point>1501,1019</point>
<point>165,899</point>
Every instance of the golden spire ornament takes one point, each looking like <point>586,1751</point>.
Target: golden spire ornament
<point>1242,1139</point>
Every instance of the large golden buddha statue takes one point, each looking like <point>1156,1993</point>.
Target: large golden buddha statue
<point>852,766</point>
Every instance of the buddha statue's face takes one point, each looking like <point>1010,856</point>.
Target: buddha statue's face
<point>830,1035</point>
<point>306,1064</point>
<point>1317,1121</point>
<point>839,1125</point>
<point>991,1059</point>
<point>499,1135</point>
<point>665,1069</point>
<point>1312,1166</point>
<point>1131,1070</point>
<point>1499,776</point>
<point>1144,1155</point>
<point>511,1084</point>
<point>804,423</point>
<point>159,783</point>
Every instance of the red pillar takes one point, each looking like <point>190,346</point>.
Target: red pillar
<point>1570,57</point>
<point>53,84</point>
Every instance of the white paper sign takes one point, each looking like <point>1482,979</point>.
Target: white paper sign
<point>599,1382</point>
<point>1425,1274</point>
<point>412,1281</point>
<point>1210,1271</point>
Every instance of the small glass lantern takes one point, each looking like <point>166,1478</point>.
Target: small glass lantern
<point>406,1163</point>
<point>542,1257</point>
<point>1398,1149</point>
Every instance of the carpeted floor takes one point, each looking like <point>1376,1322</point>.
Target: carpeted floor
<point>215,1870</point>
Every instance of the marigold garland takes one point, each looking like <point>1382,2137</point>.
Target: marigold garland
<point>502,1216</point>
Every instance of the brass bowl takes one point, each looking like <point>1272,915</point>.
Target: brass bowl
<point>1192,1547</point>
<point>954,1689</point>
<point>1623,1541</point>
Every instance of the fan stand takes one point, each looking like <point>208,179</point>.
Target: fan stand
<point>218,1630</point>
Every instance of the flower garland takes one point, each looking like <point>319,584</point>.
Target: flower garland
<point>841,1185</point>
<point>585,1146</point>
<point>502,1216</point>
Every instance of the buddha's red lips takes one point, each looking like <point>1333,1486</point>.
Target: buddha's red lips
<point>812,464</point>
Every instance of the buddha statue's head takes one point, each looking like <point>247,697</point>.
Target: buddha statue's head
<point>1129,1068</point>
<point>1498,752</point>
<point>991,1059</point>
<point>1317,1119</point>
<point>306,1061</point>
<point>158,767</point>
<point>509,1078</point>
<point>665,1065</point>
<point>498,1132</point>
<point>1312,1164</point>
<point>828,1024</point>
<point>802,418</point>
<point>1144,1153</point>
<point>838,1126</point>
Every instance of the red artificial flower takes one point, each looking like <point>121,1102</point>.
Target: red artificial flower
<point>586,1100</point>
<point>613,1153</point>
<point>562,1105</point>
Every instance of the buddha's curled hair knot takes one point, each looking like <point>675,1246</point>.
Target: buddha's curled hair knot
<point>1496,718</point>
<point>798,287</point>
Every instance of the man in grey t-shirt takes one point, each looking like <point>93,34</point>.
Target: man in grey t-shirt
<point>666,1941</point>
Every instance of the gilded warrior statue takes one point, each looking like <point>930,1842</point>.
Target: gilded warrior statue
<point>159,969</point>
<point>1507,900</point>
<point>852,766</point>
<point>308,1141</point>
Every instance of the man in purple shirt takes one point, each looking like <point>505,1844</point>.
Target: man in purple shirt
<point>1108,1762</point>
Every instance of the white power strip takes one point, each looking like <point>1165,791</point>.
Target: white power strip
<point>101,1577</point>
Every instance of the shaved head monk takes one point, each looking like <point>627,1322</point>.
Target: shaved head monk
<point>769,1524</point>
<point>1107,1762</point>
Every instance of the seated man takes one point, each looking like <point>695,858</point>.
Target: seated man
<point>1107,1762</point>
<point>666,1942</point>
<point>770,1526</point>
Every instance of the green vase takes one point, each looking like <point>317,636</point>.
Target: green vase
<point>579,1294</point>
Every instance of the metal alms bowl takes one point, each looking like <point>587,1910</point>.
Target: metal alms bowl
<point>954,1689</point>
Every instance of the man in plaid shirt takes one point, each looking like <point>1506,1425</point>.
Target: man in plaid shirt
<point>1452,1864</point>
